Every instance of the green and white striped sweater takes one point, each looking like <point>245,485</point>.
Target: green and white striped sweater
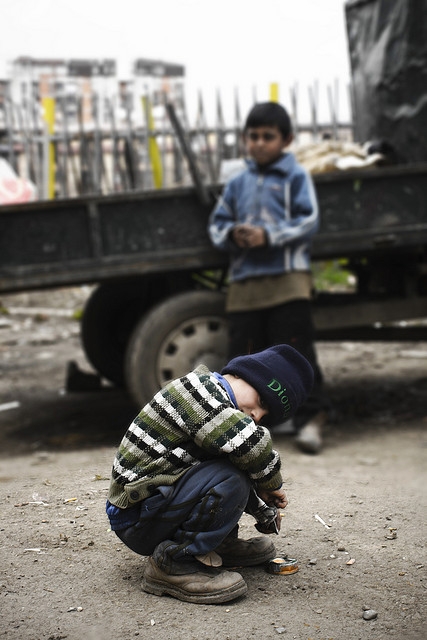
<point>190,420</point>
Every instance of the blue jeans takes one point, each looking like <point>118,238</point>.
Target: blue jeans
<point>191,517</point>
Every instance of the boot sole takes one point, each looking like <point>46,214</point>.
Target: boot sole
<point>159,589</point>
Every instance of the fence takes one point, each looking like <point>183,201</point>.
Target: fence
<point>66,153</point>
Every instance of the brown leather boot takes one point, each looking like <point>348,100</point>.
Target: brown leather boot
<point>236,552</point>
<point>206,586</point>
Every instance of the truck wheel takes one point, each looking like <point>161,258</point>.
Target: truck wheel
<point>108,319</point>
<point>172,339</point>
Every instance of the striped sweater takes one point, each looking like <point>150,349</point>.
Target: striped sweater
<point>190,420</point>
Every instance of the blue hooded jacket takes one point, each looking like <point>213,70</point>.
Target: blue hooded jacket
<point>280,198</point>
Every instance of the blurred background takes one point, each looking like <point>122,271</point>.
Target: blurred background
<point>87,84</point>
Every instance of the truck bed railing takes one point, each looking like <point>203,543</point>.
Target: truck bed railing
<point>95,238</point>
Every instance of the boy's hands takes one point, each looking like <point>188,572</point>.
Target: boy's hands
<point>264,506</point>
<point>275,498</point>
<point>248,236</point>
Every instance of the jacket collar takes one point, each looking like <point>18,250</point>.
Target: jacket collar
<point>283,165</point>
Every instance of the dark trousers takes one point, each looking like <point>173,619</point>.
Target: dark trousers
<point>289,323</point>
<point>191,517</point>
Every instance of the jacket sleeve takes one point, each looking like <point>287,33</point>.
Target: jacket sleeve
<point>228,431</point>
<point>301,213</point>
<point>222,221</point>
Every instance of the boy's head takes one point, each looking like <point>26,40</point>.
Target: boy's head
<point>282,377</point>
<point>268,130</point>
<point>269,114</point>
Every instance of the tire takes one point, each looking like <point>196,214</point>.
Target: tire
<point>172,339</point>
<point>109,316</point>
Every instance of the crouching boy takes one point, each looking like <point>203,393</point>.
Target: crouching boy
<point>193,460</point>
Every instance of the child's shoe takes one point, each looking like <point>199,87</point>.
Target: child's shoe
<point>205,586</point>
<point>309,438</point>
<point>236,552</point>
<point>283,428</point>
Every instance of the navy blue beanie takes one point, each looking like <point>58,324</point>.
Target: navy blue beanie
<point>280,374</point>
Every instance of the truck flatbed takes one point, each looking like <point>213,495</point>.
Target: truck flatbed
<point>158,309</point>
<point>89,240</point>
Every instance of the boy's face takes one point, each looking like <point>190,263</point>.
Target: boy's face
<point>248,399</point>
<point>265,144</point>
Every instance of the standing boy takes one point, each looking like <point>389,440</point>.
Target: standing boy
<point>266,219</point>
<point>193,460</point>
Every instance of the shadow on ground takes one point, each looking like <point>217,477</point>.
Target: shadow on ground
<point>50,421</point>
<point>80,420</point>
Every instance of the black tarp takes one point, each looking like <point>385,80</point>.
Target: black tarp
<point>388,55</point>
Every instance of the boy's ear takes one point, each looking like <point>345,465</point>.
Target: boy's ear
<point>287,141</point>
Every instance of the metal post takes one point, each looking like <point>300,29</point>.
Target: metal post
<point>274,92</point>
<point>96,145</point>
<point>153,148</point>
<point>203,194</point>
<point>294,102</point>
<point>49,117</point>
<point>220,136</point>
<point>313,97</point>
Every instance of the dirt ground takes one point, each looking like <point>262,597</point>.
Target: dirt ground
<point>65,575</point>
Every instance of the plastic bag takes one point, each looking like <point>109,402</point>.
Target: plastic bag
<point>14,189</point>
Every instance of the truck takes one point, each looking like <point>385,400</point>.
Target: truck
<point>157,309</point>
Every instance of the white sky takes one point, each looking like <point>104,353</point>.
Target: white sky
<point>223,45</point>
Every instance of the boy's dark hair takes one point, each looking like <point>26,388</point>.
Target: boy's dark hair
<point>269,114</point>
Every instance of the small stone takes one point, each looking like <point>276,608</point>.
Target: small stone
<point>312,561</point>
<point>280,630</point>
<point>370,614</point>
<point>341,547</point>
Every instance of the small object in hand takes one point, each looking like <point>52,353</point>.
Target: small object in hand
<point>282,566</point>
<point>268,518</point>
<point>270,522</point>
